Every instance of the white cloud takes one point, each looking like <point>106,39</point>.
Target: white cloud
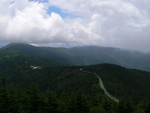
<point>118,23</point>
<point>32,24</point>
<point>123,22</point>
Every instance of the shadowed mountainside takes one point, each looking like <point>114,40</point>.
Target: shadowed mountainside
<point>86,55</point>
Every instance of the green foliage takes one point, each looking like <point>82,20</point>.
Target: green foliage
<point>97,109</point>
<point>78,104</point>
<point>125,108</point>
<point>55,89</point>
<point>147,110</point>
<point>122,82</point>
<point>84,55</point>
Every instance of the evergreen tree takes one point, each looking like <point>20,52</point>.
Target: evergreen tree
<point>78,104</point>
<point>4,100</point>
<point>147,109</point>
<point>125,108</point>
<point>97,109</point>
<point>107,106</point>
<point>52,104</point>
<point>34,100</point>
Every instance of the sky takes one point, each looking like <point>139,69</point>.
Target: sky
<point>112,23</point>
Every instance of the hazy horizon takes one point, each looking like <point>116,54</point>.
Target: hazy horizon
<point>68,46</point>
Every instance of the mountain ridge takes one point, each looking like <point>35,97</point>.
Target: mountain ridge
<point>87,55</point>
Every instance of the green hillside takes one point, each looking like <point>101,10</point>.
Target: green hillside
<point>63,84</point>
<point>18,59</point>
<point>123,82</point>
<point>87,55</point>
<point>36,84</point>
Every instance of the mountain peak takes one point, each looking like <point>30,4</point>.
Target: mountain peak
<point>14,45</point>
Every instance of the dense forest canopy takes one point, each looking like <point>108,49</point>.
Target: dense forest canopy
<point>30,84</point>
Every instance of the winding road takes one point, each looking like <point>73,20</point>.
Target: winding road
<point>102,86</point>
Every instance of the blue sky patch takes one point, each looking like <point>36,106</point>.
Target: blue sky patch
<point>59,11</point>
<point>55,9</point>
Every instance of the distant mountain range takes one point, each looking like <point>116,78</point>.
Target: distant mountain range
<point>85,55</point>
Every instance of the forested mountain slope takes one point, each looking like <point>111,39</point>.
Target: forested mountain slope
<point>86,55</point>
<point>39,84</point>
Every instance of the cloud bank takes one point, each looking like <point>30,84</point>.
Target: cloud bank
<point>116,23</point>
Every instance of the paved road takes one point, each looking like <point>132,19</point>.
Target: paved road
<point>103,87</point>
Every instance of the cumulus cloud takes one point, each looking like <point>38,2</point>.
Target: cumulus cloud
<point>117,23</point>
